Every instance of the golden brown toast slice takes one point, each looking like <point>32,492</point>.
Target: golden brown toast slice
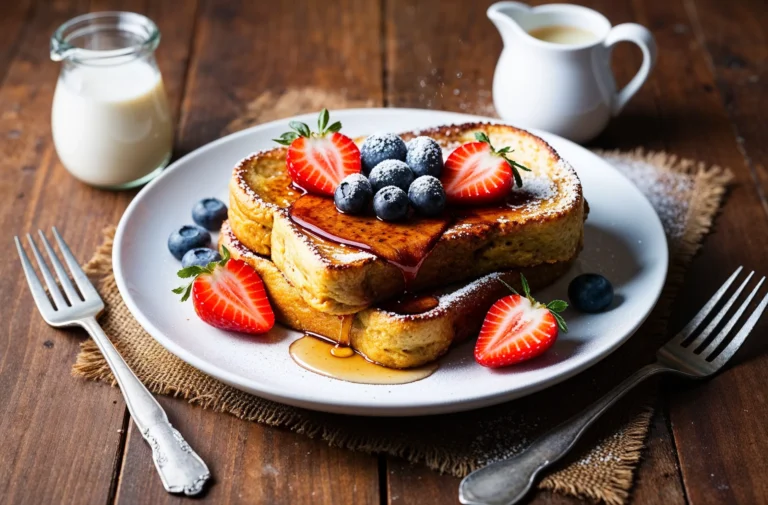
<point>411,333</point>
<point>542,223</point>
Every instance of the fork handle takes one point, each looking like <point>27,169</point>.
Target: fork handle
<point>506,482</point>
<point>181,469</point>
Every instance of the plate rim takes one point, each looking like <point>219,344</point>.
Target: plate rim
<point>356,407</point>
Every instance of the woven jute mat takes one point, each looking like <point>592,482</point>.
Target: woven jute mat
<point>685,194</point>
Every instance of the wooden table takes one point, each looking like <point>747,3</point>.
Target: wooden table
<point>65,440</point>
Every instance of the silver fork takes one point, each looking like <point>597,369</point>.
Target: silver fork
<point>180,468</point>
<point>506,482</point>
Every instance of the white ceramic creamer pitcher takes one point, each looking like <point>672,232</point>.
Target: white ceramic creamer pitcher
<point>563,88</point>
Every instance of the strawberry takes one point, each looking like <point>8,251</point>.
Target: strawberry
<point>228,294</point>
<point>476,173</point>
<point>319,161</point>
<point>518,328</point>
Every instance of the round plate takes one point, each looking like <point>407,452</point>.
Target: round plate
<point>624,241</point>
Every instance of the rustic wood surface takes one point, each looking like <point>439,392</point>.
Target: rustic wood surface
<point>69,441</point>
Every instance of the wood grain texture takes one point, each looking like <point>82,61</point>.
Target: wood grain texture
<point>736,38</point>
<point>658,480</point>
<point>447,62</point>
<point>241,52</point>
<point>248,50</point>
<point>63,437</point>
<point>718,426</point>
<point>62,440</point>
<point>13,17</point>
<point>251,464</point>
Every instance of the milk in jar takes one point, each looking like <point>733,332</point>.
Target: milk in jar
<point>110,119</point>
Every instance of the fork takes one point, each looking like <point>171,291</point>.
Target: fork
<point>180,468</point>
<point>506,482</point>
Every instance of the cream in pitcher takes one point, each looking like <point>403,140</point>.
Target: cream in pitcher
<point>554,71</point>
<point>110,119</point>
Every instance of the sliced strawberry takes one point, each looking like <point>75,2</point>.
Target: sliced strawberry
<point>319,161</point>
<point>320,164</point>
<point>518,328</point>
<point>476,173</point>
<point>230,295</point>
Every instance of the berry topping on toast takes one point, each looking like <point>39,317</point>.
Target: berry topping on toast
<point>518,328</point>
<point>228,294</point>
<point>477,173</point>
<point>319,161</point>
<point>381,147</point>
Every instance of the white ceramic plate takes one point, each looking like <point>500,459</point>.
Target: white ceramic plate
<point>624,241</point>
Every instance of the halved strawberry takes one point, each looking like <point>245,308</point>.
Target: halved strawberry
<point>228,294</point>
<point>476,173</point>
<point>518,328</point>
<point>319,161</point>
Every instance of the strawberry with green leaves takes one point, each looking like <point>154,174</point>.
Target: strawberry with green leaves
<point>518,328</point>
<point>228,294</point>
<point>476,173</point>
<point>319,161</point>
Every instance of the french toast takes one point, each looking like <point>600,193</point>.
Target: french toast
<point>401,334</point>
<point>344,272</point>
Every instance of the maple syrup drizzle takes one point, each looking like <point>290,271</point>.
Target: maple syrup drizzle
<point>342,348</point>
<point>314,354</point>
<point>403,244</point>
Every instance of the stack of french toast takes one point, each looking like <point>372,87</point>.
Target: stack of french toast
<point>322,268</point>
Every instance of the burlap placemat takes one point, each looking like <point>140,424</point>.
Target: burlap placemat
<point>686,196</point>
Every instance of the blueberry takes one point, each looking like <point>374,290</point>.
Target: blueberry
<point>199,256</point>
<point>390,203</point>
<point>427,195</point>
<point>353,194</point>
<point>425,157</point>
<point>391,173</point>
<point>590,292</point>
<point>187,237</point>
<point>379,147</point>
<point>209,213</point>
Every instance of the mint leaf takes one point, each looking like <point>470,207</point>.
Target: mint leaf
<point>557,305</point>
<point>287,138</point>
<point>526,289</point>
<point>518,165</point>
<point>322,120</point>
<point>482,137</point>
<point>515,174</point>
<point>560,322</point>
<point>224,256</point>
<point>300,127</point>
<point>192,271</point>
<point>183,289</point>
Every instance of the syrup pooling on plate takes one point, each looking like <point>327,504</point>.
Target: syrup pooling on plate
<point>342,349</point>
<point>404,244</point>
<point>314,354</point>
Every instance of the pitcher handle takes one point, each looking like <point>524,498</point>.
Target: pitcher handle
<point>632,32</point>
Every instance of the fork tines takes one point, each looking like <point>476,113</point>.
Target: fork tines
<point>61,293</point>
<point>711,345</point>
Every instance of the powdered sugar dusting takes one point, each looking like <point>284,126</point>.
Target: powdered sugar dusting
<point>422,148</point>
<point>535,191</point>
<point>454,297</point>
<point>379,147</point>
<point>669,192</point>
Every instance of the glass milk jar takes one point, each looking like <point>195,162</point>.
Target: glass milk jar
<point>110,120</point>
